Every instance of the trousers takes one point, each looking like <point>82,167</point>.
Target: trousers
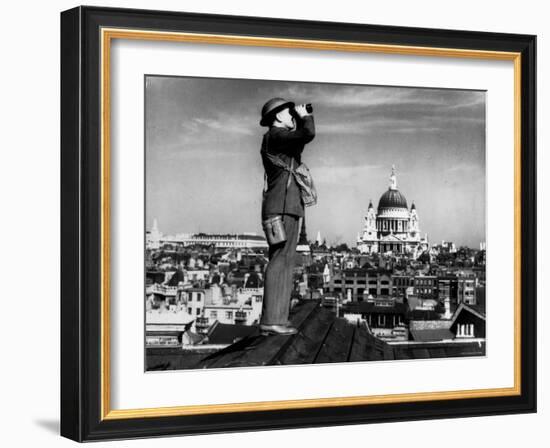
<point>279,275</point>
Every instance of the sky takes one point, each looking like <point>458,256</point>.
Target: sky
<point>204,170</point>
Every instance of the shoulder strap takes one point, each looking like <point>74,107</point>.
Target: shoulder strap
<point>290,171</point>
<point>276,160</point>
<point>279,162</point>
<point>265,173</point>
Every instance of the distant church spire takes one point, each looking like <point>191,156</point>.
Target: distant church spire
<point>393,179</point>
<point>303,235</point>
<point>303,243</point>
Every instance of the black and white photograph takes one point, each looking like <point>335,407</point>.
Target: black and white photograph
<point>305,223</point>
<point>275,224</point>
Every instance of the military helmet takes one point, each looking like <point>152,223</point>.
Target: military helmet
<point>273,106</point>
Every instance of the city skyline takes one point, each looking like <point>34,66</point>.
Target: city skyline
<point>204,172</point>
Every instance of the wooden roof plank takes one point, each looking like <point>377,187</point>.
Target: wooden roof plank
<point>437,352</point>
<point>420,353</point>
<point>259,350</point>
<point>306,344</point>
<point>388,353</point>
<point>360,345</point>
<point>337,345</point>
<point>232,352</point>
<point>267,350</point>
<point>402,353</point>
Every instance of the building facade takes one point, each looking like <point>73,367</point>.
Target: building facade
<point>393,227</point>
<point>155,239</point>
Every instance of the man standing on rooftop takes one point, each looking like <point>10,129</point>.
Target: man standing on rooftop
<point>290,129</point>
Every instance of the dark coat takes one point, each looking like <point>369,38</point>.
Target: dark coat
<point>287,145</point>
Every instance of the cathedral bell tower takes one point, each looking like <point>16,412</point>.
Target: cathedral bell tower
<point>369,236</point>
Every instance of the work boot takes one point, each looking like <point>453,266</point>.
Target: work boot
<point>278,329</point>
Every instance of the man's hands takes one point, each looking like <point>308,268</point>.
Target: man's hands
<point>301,111</point>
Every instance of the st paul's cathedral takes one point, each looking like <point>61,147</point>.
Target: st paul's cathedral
<point>393,228</point>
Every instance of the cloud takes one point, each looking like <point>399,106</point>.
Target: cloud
<point>203,130</point>
<point>365,96</point>
<point>342,175</point>
<point>226,125</point>
<point>464,168</point>
<point>370,125</point>
<point>364,110</point>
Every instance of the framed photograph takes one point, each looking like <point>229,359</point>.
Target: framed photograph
<point>277,224</point>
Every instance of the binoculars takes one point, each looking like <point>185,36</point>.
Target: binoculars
<point>309,109</point>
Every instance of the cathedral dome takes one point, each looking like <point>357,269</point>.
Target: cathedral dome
<point>392,199</point>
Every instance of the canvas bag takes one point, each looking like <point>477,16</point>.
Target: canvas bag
<point>273,226</point>
<point>303,177</point>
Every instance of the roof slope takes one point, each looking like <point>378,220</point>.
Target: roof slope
<point>324,338</point>
<point>426,335</point>
<point>228,333</point>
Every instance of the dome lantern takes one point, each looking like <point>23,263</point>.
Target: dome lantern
<point>393,179</point>
<point>393,201</point>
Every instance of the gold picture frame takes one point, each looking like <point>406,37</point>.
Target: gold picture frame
<point>107,26</point>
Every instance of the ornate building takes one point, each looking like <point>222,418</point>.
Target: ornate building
<point>155,239</point>
<point>393,227</point>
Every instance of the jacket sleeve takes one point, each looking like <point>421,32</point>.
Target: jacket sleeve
<point>291,142</point>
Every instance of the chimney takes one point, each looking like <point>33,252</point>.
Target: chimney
<point>447,303</point>
<point>216,294</point>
